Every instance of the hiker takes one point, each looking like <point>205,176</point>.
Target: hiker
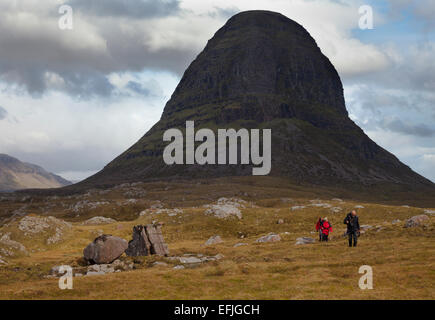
<point>318,228</point>
<point>353,229</point>
<point>326,228</point>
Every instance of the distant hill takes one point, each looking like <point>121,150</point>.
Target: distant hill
<point>15,175</point>
<point>263,70</point>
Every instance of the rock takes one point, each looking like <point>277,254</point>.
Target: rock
<point>2,262</point>
<point>336,209</point>
<point>365,227</point>
<point>271,237</point>
<point>223,211</point>
<point>155,236</point>
<point>178,267</point>
<point>140,244</point>
<point>98,220</point>
<point>213,240</point>
<point>78,275</point>
<point>31,225</point>
<point>416,221</point>
<point>147,240</point>
<point>305,240</point>
<point>280,221</point>
<point>159,264</point>
<point>395,221</point>
<point>337,199</point>
<point>190,260</point>
<point>240,244</point>
<point>297,208</point>
<point>359,207</point>
<point>105,249</point>
<point>101,268</point>
<point>9,247</point>
<point>427,211</point>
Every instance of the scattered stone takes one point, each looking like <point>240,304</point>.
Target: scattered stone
<point>280,221</point>
<point>213,240</point>
<point>78,275</point>
<point>305,240</point>
<point>336,209</point>
<point>159,264</point>
<point>105,249</point>
<point>416,221</point>
<point>297,208</point>
<point>365,227</point>
<point>32,225</point>
<point>98,220</point>
<point>100,268</point>
<point>223,211</point>
<point>190,260</point>
<point>240,244</point>
<point>395,221</point>
<point>9,247</point>
<point>337,199</point>
<point>271,237</point>
<point>428,211</point>
<point>359,207</point>
<point>178,267</point>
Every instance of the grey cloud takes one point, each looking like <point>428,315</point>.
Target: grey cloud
<point>3,113</point>
<point>127,8</point>
<point>138,88</point>
<point>420,130</point>
<point>82,68</point>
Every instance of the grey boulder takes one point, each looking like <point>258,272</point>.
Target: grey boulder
<point>104,249</point>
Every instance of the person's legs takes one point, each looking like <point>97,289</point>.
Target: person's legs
<point>326,237</point>
<point>350,238</point>
<point>355,238</point>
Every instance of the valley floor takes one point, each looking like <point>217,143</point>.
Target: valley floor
<point>402,259</point>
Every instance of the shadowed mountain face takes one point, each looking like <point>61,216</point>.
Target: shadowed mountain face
<point>15,175</point>
<point>263,70</point>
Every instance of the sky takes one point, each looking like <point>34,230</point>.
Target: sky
<point>71,100</point>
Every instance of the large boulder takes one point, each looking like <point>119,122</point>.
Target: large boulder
<point>147,240</point>
<point>139,245</point>
<point>417,221</point>
<point>104,249</point>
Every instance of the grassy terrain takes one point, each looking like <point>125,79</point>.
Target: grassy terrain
<point>403,259</point>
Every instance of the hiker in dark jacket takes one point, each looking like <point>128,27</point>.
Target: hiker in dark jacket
<point>352,223</point>
<point>318,228</point>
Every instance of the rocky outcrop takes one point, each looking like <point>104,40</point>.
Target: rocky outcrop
<point>104,249</point>
<point>417,221</point>
<point>147,240</point>
<point>213,240</point>
<point>271,237</point>
<point>98,220</point>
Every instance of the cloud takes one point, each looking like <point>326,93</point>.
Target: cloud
<point>3,113</point>
<point>127,8</point>
<point>397,125</point>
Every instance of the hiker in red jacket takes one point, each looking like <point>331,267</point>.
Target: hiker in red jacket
<point>326,228</point>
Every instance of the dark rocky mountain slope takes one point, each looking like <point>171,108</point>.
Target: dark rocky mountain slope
<point>263,70</point>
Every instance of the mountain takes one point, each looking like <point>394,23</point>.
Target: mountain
<point>15,175</point>
<point>263,70</point>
